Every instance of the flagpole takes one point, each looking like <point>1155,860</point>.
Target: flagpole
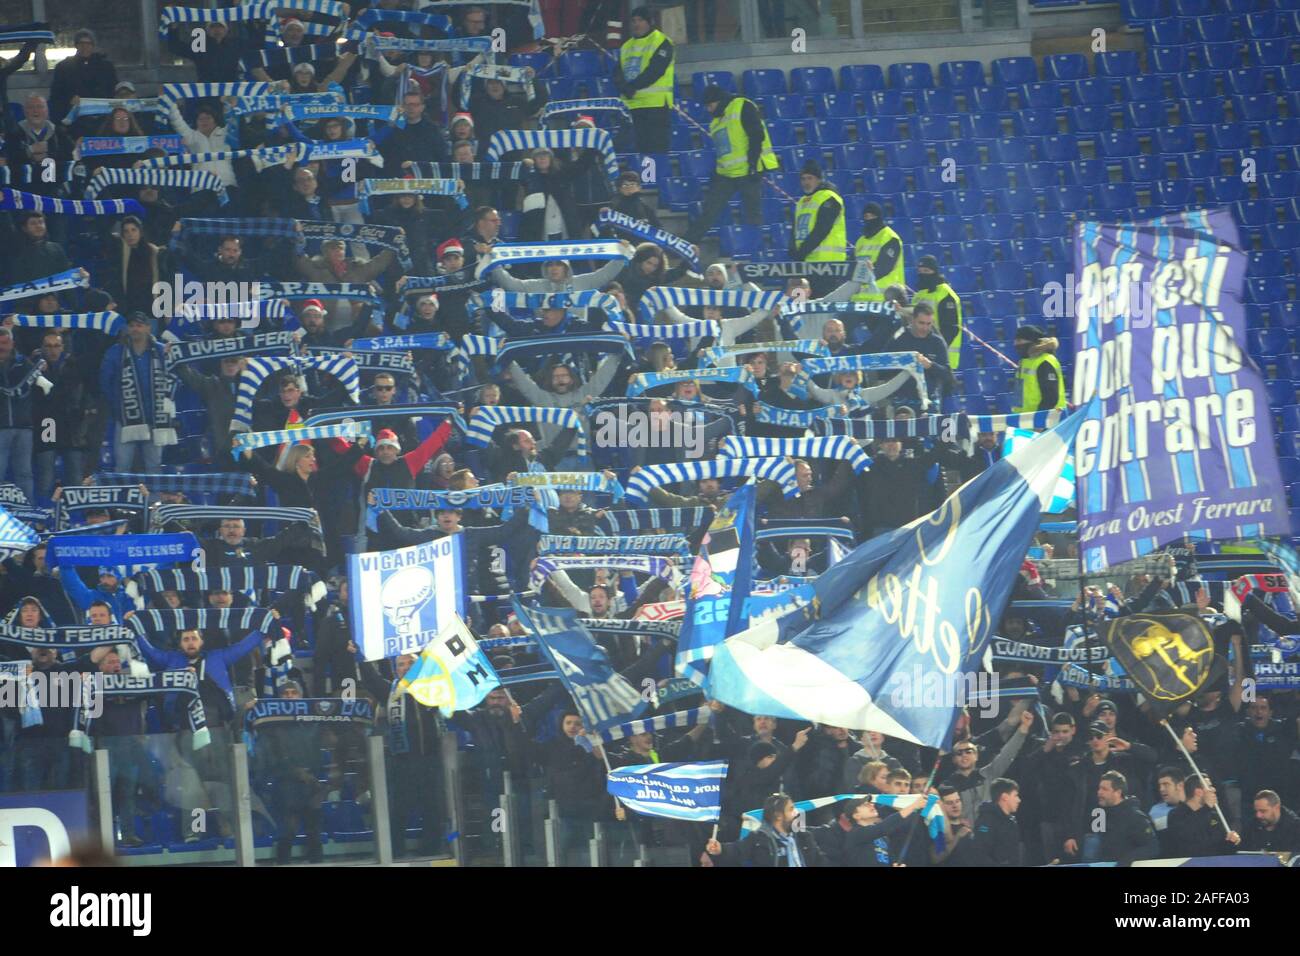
<point>1197,770</point>
<point>938,758</point>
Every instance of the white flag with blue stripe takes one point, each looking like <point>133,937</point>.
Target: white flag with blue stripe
<point>1063,493</point>
<point>678,791</point>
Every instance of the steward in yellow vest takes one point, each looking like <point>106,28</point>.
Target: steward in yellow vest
<point>742,154</point>
<point>884,248</point>
<point>932,287</point>
<point>645,81</point>
<point>819,233</point>
<point>1040,379</point>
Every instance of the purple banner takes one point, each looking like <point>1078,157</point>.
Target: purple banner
<point>1179,436</point>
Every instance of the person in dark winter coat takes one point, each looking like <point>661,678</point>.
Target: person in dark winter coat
<point>867,844</point>
<point>59,416</point>
<point>774,843</point>
<point>17,378</point>
<point>997,834</point>
<point>1194,825</point>
<point>335,660</point>
<point>87,74</point>
<point>1275,829</point>
<point>33,256</point>
<point>575,780</point>
<point>1128,834</point>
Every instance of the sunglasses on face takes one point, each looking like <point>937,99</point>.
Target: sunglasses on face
<point>962,753</point>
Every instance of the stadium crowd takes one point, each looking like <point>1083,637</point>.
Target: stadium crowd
<point>106,403</point>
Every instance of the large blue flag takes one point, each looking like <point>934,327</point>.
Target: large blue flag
<point>894,626</point>
<point>678,791</point>
<point>603,697</point>
<point>720,582</point>
<point>1179,437</point>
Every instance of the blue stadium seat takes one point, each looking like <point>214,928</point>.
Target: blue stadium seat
<point>999,304</point>
<point>1118,197</point>
<point>1014,70</point>
<point>1142,88</point>
<point>1255,107</point>
<point>935,179</point>
<point>1146,114</point>
<point>885,182</point>
<point>1174,193</point>
<point>1029,250</point>
<point>582,63</point>
<point>1145,169</point>
<point>980,125</point>
<point>1065,66</point>
<point>1091,92</point>
<point>1229,136</point>
<point>1090,172</point>
<point>1282,132</point>
<point>832,132</point>
<point>1283,235</point>
<point>1254,212</point>
<point>740,242</point>
<point>961,73</point>
<point>1040,96</point>
<point>915,205</point>
<point>1267,342</point>
<point>836,105</point>
<point>1218,56</point>
<point>1291,74</point>
<point>1269,52</point>
<point>1119,143</point>
<point>990,176</point>
<point>1047,225</point>
<point>841,180</point>
<point>813,80</point>
<point>965,202</point>
<point>781,132</point>
<point>1247,81</point>
<point>679,192</point>
<point>1167,59</point>
<point>1286,315</point>
<point>1290,469</point>
<point>776,209</point>
<point>1035,123</point>
<point>762,83</point>
<point>801,156</point>
<point>1060,149</point>
<point>940,101</point>
<point>1041,176</point>
<point>861,78</point>
<point>1022,149</point>
<point>944,228</point>
<point>879,129</point>
<point>1119,63</point>
<point>1291,413</point>
<point>933,128</point>
<point>995,227</point>
<point>1198,165</point>
<point>1196,85</point>
<point>1016,201</point>
<point>1265,160</point>
<point>963,151</point>
<point>560,88</point>
<point>907,155</point>
<point>961,278</point>
<point>1263,291</point>
<point>1045,273</point>
<point>1225,189</point>
<point>790,106</point>
<point>1267,263</point>
<point>1280,185</point>
<point>1281,393</point>
<point>888,103</point>
<point>1209,29</point>
<point>682,138</point>
<point>704,78</point>
<point>697,162</point>
<point>1164,32</point>
<point>987,99</point>
<point>1139,10</point>
<point>853,157</point>
<point>1201,112</point>
<point>1005,276</point>
<point>1089,119</point>
<point>910,76</point>
<point>1074,200</point>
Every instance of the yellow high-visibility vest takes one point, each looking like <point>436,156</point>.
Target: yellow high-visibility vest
<point>1031,396</point>
<point>731,145</point>
<point>941,292</point>
<point>869,248</point>
<point>833,247</point>
<point>633,58</point>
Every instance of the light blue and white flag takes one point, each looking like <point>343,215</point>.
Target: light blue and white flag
<point>15,537</point>
<point>452,673</point>
<point>912,607</point>
<point>678,791</point>
<point>404,598</point>
<point>1063,495</point>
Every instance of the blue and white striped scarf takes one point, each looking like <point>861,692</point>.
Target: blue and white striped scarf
<point>110,323</point>
<point>165,514</point>
<point>201,350</point>
<point>213,483</point>
<point>295,111</point>
<point>99,106</point>
<point>695,329</point>
<point>795,347</point>
<point>649,519</point>
<point>326,416</point>
<point>432,341</point>
<point>245,441</point>
<point>502,301</point>
<point>572,481</point>
<point>658,298</point>
<point>172,93</point>
<point>868,429</point>
<point>512,140</point>
<point>657,544</point>
<point>407,187</point>
<point>25,33</point>
<point>174,620</point>
<point>15,537</point>
<point>838,447</point>
<point>596,104</point>
<point>736,374</point>
<point>519,76</point>
<point>275,102</point>
<point>59,282</point>
<point>681,719</point>
<point>127,146</point>
<point>803,529</point>
<point>469,172</point>
<point>874,362</point>
<point>488,417</point>
<point>496,497</point>
<point>653,476</point>
<point>1000,423</point>
<point>28,173</point>
<point>83,497</point>
<point>244,579</point>
<point>263,156</point>
<point>248,313</point>
<point>653,565</point>
<point>168,16</point>
<point>315,233</point>
<point>342,367</point>
<point>16,201</point>
<point>399,363</point>
<point>351,291</point>
<point>644,231</point>
<point>263,228</point>
<point>373,45</point>
<point>192,180</point>
<point>367,19</point>
<point>504,254</point>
